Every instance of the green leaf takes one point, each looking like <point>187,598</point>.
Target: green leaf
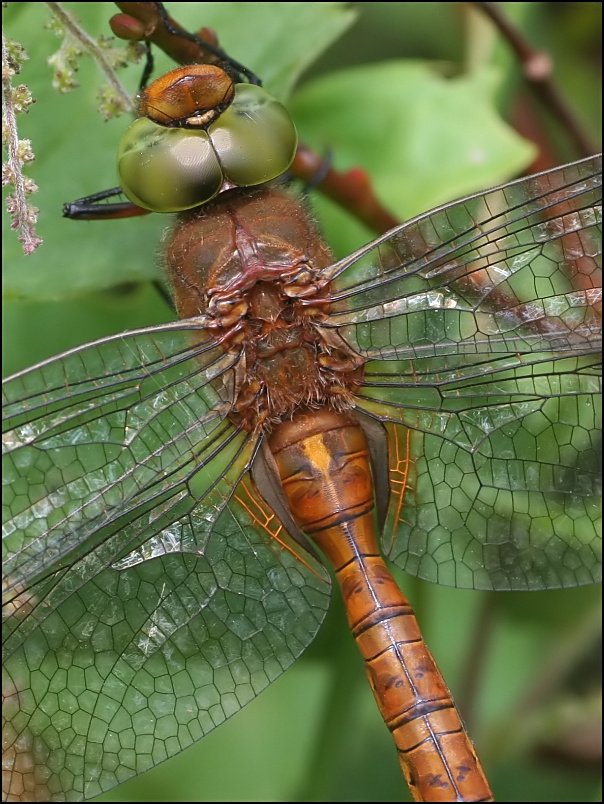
<point>423,139</point>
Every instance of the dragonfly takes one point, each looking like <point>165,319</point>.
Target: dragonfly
<point>165,459</point>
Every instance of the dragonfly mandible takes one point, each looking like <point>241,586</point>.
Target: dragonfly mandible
<point>451,280</point>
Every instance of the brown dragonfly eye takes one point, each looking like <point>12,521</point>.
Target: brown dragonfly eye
<point>191,95</point>
<point>167,169</point>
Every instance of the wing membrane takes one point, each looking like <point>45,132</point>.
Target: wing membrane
<point>511,270</point>
<point>134,553</point>
<point>157,648</point>
<point>90,436</point>
<point>482,322</point>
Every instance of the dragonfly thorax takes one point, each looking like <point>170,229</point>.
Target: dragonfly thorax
<point>242,261</point>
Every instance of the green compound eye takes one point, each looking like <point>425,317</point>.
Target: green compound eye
<point>172,169</point>
<point>255,138</point>
<point>167,169</point>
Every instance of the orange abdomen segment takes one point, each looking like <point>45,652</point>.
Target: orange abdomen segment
<point>323,462</point>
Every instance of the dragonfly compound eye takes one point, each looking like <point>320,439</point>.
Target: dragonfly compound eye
<point>167,169</point>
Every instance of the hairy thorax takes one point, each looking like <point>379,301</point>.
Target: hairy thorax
<point>251,265</point>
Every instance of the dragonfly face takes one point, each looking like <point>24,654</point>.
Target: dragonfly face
<point>148,554</point>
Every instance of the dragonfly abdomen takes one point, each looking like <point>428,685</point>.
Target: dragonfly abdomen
<point>436,755</point>
<point>323,461</point>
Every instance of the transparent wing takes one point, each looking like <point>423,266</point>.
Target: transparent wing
<point>148,593</point>
<point>482,325</point>
<point>91,435</point>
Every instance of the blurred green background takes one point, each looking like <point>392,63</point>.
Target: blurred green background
<point>437,120</point>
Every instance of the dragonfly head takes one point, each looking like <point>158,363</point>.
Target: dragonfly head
<point>183,150</point>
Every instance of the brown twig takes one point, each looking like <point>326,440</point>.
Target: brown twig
<point>143,22</point>
<point>537,67</point>
<point>351,190</point>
